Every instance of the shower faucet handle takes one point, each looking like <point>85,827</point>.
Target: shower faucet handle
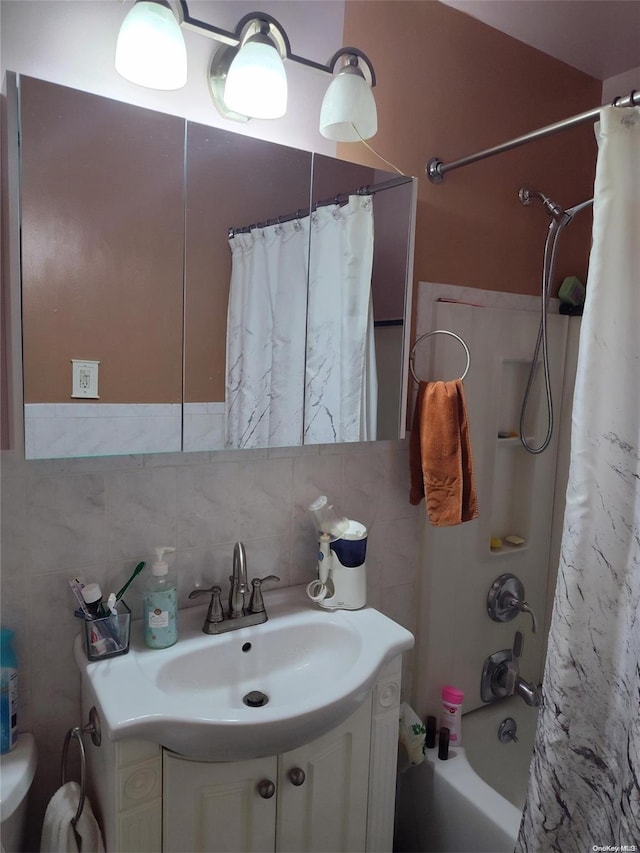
<point>506,599</point>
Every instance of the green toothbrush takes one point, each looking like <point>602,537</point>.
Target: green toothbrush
<point>135,574</point>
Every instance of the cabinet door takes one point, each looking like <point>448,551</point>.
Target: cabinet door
<point>322,790</point>
<point>217,808</point>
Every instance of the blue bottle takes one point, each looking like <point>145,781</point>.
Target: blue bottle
<point>8,692</point>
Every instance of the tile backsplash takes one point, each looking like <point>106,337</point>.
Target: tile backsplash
<point>98,517</point>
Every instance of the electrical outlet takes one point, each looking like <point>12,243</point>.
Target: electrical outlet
<point>84,378</point>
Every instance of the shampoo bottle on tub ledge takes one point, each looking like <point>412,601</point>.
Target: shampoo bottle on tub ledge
<point>451,714</point>
<point>160,605</point>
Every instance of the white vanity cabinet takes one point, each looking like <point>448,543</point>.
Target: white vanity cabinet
<point>148,800</point>
<point>313,798</point>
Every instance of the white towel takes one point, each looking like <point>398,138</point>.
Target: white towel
<point>57,832</point>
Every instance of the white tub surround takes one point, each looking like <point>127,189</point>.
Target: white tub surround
<point>514,488</point>
<point>473,801</point>
<point>584,787</point>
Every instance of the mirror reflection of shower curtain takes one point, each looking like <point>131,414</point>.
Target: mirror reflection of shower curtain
<point>276,325</point>
<point>341,378</point>
<point>266,336</point>
<point>584,786</point>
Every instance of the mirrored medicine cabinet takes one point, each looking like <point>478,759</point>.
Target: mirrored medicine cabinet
<point>126,266</point>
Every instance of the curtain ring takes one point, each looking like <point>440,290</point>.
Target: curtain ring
<point>412,354</point>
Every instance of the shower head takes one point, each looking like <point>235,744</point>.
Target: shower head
<point>559,214</point>
<point>554,210</point>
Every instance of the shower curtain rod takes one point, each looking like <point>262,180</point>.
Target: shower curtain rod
<point>341,198</point>
<point>436,169</point>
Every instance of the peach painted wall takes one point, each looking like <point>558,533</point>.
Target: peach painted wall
<point>232,181</point>
<point>102,245</point>
<point>449,86</point>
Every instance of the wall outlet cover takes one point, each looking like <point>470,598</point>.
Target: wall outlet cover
<point>84,378</point>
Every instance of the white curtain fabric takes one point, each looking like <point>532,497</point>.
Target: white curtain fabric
<point>341,377</point>
<point>276,325</point>
<point>584,783</point>
<point>266,336</point>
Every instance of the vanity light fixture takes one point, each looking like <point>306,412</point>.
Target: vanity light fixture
<point>150,50</point>
<point>247,78</point>
<point>348,111</point>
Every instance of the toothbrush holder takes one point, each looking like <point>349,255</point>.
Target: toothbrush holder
<point>108,636</point>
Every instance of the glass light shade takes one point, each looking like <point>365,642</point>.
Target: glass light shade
<point>347,102</point>
<point>256,82</point>
<point>150,50</point>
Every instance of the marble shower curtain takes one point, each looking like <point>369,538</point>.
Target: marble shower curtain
<point>584,792</point>
<point>266,336</point>
<point>341,379</point>
<point>301,363</point>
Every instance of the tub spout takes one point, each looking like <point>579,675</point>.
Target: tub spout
<point>529,692</point>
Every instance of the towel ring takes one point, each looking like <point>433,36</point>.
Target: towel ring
<point>92,728</point>
<point>412,354</point>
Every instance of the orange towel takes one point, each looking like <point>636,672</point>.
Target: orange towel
<point>440,454</point>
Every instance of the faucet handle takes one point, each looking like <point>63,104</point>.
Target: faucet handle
<point>215,612</point>
<point>256,602</point>
<point>195,593</point>
<point>506,599</point>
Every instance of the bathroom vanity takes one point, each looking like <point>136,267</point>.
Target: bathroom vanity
<point>314,771</point>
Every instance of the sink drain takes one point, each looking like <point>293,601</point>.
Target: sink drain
<point>255,699</point>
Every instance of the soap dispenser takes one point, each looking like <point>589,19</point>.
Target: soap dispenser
<point>160,605</point>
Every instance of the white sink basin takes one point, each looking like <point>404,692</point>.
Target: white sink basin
<point>313,666</point>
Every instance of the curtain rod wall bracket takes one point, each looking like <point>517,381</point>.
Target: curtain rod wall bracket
<point>433,170</point>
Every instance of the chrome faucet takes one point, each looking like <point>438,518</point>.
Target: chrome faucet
<point>501,677</point>
<point>238,582</point>
<point>238,615</point>
<point>529,692</point>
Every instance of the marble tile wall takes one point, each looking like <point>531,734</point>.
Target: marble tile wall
<point>87,429</point>
<point>98,517</point>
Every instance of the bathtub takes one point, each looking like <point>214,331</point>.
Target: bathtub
<point>473,802</point>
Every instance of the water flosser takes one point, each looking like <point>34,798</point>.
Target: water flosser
<point>341,582</point>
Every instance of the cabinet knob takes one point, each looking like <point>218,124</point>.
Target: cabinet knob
<point>296,776</point>
<point>266,789</point>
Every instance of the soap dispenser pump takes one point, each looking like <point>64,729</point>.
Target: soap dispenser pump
<point>160,604</point>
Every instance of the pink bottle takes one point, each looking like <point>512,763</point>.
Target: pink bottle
<point>451,713</point>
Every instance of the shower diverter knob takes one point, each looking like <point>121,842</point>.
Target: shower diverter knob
<point>506,599</point>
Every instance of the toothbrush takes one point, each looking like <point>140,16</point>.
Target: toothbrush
<point>135,574</point>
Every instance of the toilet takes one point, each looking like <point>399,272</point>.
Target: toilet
<point>17,769</point>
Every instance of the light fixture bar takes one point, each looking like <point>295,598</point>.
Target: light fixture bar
<point>205,29</point>
<point>233,39</point>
